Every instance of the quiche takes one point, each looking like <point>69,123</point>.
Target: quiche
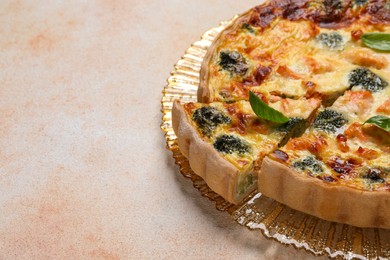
<point>307,60</point>
<point>226,142</point>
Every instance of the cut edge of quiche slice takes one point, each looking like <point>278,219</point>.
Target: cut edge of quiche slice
<point>225,143</point>
<point>219,174</point>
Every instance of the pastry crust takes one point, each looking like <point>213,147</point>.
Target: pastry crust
<point>327,201</point>
<point>219,174</point>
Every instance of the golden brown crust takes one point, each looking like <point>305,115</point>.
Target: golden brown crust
<point>203,90</point>
<point>331,202</point>
<point>219,174</point>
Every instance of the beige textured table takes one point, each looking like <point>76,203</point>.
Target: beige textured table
<point>83,168</point>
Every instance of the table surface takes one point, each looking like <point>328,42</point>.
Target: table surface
<point>84,172</point>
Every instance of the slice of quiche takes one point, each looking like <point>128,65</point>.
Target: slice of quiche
<point>341,163</point>
<point>226,142</point>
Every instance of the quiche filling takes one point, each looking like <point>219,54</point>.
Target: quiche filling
<point>242,138</point>
<point>339,148</point>
<point>292,59</point>
<point>307,60</point>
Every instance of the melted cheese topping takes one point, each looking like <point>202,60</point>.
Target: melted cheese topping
<point>262,136</point>
<point>298,53</point>
<point>356,155</point>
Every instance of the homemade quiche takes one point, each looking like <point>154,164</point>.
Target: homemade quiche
<point>308,60</point>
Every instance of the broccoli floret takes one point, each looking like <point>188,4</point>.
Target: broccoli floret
<point>332,40</point>
<point>293,128</point>
<point>309,163</point>
<point>329,120</point>
<point>367,79</point>
<point>208,118</point>
<point>233,62</point>
<point>231,144</point>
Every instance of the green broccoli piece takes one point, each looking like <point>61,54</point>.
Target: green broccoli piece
<point>233,62</point>
<point>208,118</point>
<point>333,41</point>
<point>230,144</point>
<point>309,163</point>
<point>367,79</point>
<point>329,121</point>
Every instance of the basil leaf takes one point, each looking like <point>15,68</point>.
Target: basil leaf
<point>380,121</point>
<point>377,41</point>
<point>264,111</point>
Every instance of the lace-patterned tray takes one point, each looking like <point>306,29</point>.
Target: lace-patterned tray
<point>274,220</point>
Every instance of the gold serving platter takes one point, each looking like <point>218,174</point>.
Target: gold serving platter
<point>274,220</point>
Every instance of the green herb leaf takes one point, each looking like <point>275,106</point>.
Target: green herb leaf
<point>377,41</point>
<point>380,121</point>
<point>264,111</point>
